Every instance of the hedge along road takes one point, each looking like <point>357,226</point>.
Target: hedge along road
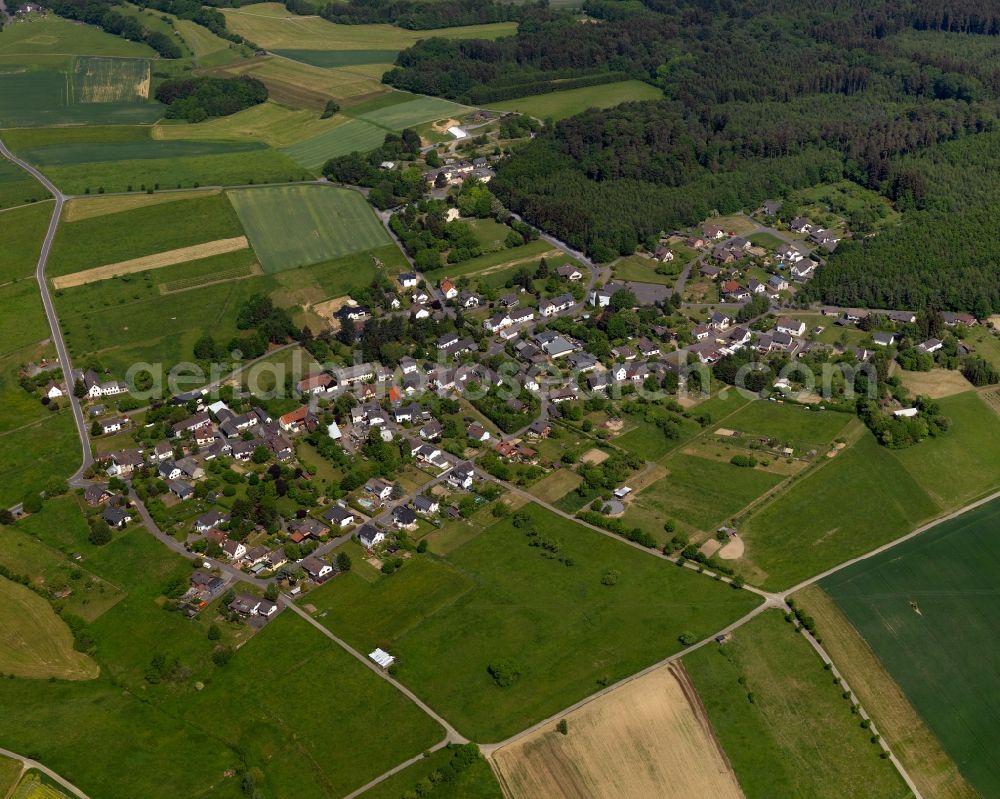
<point>50,311</point>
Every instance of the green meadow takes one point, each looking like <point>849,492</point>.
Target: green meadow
<point>301,740</point>
<point>17,187</point>
<point>928,609</point>
<point>481,604</point>
<point>841,509</point>
<point>559,105</point>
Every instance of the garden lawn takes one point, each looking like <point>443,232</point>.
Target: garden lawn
<point>928,607</point>
<point>293,226</point>
<point>559,105</point>
<point>565,643</point>
<point>644,270</point>
<point>783,724</point>
<point>843,508</point>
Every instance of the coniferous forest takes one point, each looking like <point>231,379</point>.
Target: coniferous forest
<point>760,98</point>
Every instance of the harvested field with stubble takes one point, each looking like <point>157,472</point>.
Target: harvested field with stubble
<point>649,739</point>
<point>157,261</point>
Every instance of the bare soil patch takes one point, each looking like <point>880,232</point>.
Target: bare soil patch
<point>594,456</point>
<point>156,261</point>
<point>649,739</point>
<point>733,550</point>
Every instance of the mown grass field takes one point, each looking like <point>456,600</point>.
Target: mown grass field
<point>927,608</point>
<point>862,498</point>
<point>559,105</point>
<point>293,226</point>
<point>299,85</point>
<point>23,321</point>
<point>273,124</point>
<point>413,112</point>
<point>36,643</point>
<point>142,231</point>
<point>272,26</point>
<point>782,722</point>
<point>105,204</point>
<point>347,137</point>
<point>481,604</point>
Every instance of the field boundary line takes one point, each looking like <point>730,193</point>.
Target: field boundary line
<point>255,270</point>
<point>155,261</point>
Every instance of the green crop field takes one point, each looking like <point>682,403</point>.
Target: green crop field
<point>928,608</point>
<point>110,80</point>
<point>143,231</point>
<point>843,508</point>
<point>35,642</point>
<point>413,112</point>
<point>559,105</point>
<point>698,492</point>
<point>481,604</point>
<point>293,226</point>
<point>783,724</point>
<point>340,58</point>
<point>34,96</point>
<point>348,137</point>
<point>797,426</point>
<point>103,152</point>
<point>23,321</point>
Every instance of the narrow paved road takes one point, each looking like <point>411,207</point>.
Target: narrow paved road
<point>50,311</point>
<point>27,763</point>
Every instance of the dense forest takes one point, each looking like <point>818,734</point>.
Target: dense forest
<point>196,99</point>
<point>412,14</point>
<point>760,98</point>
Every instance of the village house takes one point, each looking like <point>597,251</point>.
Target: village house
<point>370,536</point>
<point>448,289</point>
<point>569,272</point>
<point>339,516</point>
<point>318,571</point>
<point>556,305</point>
<point>425,504</point>
<point>793,327</point>
<point>234,550</point>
